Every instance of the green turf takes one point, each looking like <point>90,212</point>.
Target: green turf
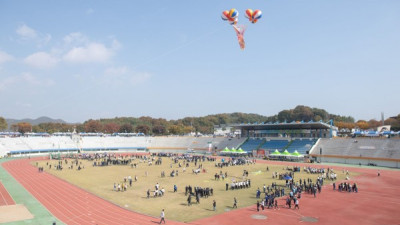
<point>21,196</point>
<point>100,180</point>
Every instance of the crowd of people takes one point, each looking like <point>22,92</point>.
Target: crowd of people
<point>267,197</point>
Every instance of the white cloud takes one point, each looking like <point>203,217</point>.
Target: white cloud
<point>93,52</point>
<point>75,38</point>
<point>9,83</point>
<point>41,60</point>
<point>4,57</point>
<point>26,32</point>
<point>122,75</point>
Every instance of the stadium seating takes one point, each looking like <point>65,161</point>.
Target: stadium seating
<point>275,144</point>
<point>252,144</point>
<point>114,143</point>
<point>230,142</point>
<point>364,147</point>
<point>301,145</point>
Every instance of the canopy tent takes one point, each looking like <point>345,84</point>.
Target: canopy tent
<point>286,153</point>
<point>240,151</point>
<point>296,154</point>
<point>226,149</point>
<point>276,153</point>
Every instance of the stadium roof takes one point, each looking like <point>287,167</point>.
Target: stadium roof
<point>283,126</point>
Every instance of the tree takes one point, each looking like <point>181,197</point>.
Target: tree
<point>320,114</point>
<point>175,129</point>
<point>374,123</point>
<point>126,128</point>
<point>187,129</point>
<point>285,115</point>
<point>158,129</point>
<point>93,126</point>
<point>341,125</point>
<point>303,113</point>
<point>362,124</point>
<point>24,127</point>
<point>3,124</point>
<point>143,129</point>
<point>111,128</point>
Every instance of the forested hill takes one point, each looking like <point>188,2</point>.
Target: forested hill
<point>204,125</point>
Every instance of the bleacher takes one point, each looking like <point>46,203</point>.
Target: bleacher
<point>364,147</point>
<point>229,142</point>
<point>301,145</point>
<point>272,145</point>
<point>26,145</point>
<point>252,144</point>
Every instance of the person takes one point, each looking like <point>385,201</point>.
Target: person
<point>296,204</point>
<point>162,216</point>
<point>379,173</point>
<point>234,203</point>
<point>214,205</point>
<point>258,206</point>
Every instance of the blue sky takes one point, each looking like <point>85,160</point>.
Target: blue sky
<point>78,60</point>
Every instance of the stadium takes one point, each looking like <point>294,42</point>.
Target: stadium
<point>199,112</point>
<point>314,142</point>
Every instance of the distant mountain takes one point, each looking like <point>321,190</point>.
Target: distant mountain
<point>37,121</point>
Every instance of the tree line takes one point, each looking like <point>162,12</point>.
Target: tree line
<point>204,125</point>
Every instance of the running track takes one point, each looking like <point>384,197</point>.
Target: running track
<point>376,203</point>
<point>69,203</point>
<point>5,198</point>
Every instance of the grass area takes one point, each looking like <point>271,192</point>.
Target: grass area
<point>100,181</point>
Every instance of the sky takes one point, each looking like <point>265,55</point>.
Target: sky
<point>80,60</point>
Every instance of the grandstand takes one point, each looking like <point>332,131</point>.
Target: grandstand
<point>33,144</point>
<point>294,129</point>
<point>252,144</point>
<point>383,151</point>
<point>272,145</point>
<point>372,151</point>
<point>302,146</point>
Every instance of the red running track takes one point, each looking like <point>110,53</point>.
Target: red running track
<point>377,202</point>
<point>5,198</point>
<point>70,204</point>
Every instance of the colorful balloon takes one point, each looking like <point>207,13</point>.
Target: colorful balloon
<point>253,16</point>
<point>231,16</point>
<point>249,14</point>
<point>233,13</point>
<point>257,14</point>
<point>225,15</point>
